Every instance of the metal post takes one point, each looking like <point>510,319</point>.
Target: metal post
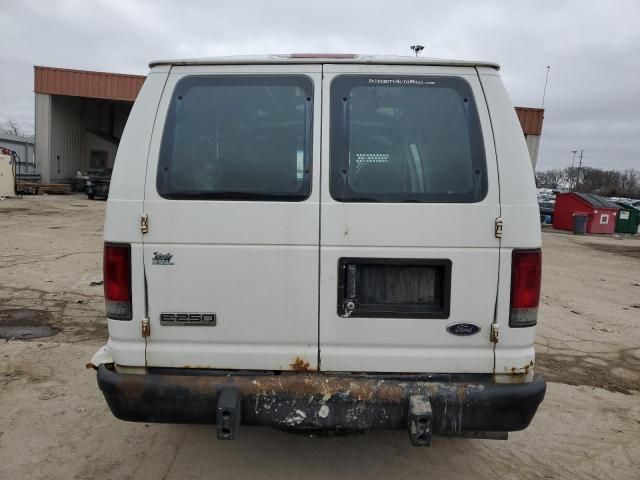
<point>579,169</point>
<point>546,80</point>
<point>573,160</point>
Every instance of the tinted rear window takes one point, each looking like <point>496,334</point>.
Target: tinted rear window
<point>237,138</point>
<point>405,139</point>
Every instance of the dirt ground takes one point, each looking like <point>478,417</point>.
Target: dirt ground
<point>54,423</point>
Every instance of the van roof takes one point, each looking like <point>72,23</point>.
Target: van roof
<point>294,58</point>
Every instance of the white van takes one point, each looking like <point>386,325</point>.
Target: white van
<point>323,243</point>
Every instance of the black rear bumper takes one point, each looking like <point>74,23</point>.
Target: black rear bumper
<point>459,405</point>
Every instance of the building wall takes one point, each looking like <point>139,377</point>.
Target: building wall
<point>599,215</point>
<point>43,122</point>
<point>68,128</point>
<point>67,144</point>
<point>566,205</point>
<point>94,142</point>
<point>533,144</point>
<point>24,147</point>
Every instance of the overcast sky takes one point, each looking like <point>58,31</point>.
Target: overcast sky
<point>593,48</point>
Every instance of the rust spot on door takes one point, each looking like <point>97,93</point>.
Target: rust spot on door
<point>522,370</point>
<point>299,365</point>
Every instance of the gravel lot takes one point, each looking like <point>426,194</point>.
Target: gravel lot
<point>54,423</point>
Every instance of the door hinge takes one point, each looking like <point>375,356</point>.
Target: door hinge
<point>146,328</point>
<point>144,223</point>
<point>498,228</point>
<point>495,332</point>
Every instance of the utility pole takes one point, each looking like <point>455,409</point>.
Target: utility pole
<point>571,172</point>
<point>579,169</point>
<point>546,80</point>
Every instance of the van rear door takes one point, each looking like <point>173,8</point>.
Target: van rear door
<point>409,201</point>
<point>232,198</point>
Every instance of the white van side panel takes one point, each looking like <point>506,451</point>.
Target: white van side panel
<point>514,352</point>
<point>521,225</point>
<point>520,211</point>
<point>124,207</point>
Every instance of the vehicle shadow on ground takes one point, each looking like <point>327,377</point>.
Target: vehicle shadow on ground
<point>268,453</point>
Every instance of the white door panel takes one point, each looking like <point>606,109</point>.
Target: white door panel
<point>412,344</point>
<point>462,233</point>
<point>233,223</point>
<point>408,225</point>
<point>253,263</point>
<point>406,359</point>
<point>264,297</point>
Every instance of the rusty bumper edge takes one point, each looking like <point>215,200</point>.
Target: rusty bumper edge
<point>318,401</point>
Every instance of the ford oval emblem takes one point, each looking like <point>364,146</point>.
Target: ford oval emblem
<point>463,329</point>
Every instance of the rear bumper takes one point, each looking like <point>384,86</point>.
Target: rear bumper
<point>460,405</point>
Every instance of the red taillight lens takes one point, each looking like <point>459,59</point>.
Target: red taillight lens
<point>117,280</point>
<point>526,278</point>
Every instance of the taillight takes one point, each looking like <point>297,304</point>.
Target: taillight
<point>117,280</point>
<point>526,277</point>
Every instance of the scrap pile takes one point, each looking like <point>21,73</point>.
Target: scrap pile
<point>33,188</point>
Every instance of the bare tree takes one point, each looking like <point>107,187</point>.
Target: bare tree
<point>551,178</point>
<point>629,182</point>
<point>609,183</point>
<point>11,126</point>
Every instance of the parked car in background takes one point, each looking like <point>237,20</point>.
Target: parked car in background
<point>546,211</point>
<point>97,184</point>
<point>546,194</point>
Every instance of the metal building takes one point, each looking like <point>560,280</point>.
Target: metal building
<point>80,116</point>
<point>24,148</point>
<point>531,120</point>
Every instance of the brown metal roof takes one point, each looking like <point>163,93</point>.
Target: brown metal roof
<point>82,83</point>
<point>531,120</point>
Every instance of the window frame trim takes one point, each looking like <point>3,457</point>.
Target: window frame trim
<point>245,197</point>
<point>432,198</point>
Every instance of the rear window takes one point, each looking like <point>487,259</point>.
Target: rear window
<point>405,139</point>
<point>237,138</point>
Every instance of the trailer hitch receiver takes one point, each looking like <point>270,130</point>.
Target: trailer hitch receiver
<point>420,420</point>
<point>228,414</point>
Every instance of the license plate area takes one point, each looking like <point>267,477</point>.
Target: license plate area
<point>394,287</point>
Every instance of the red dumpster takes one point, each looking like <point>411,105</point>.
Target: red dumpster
<point>602,214</point>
